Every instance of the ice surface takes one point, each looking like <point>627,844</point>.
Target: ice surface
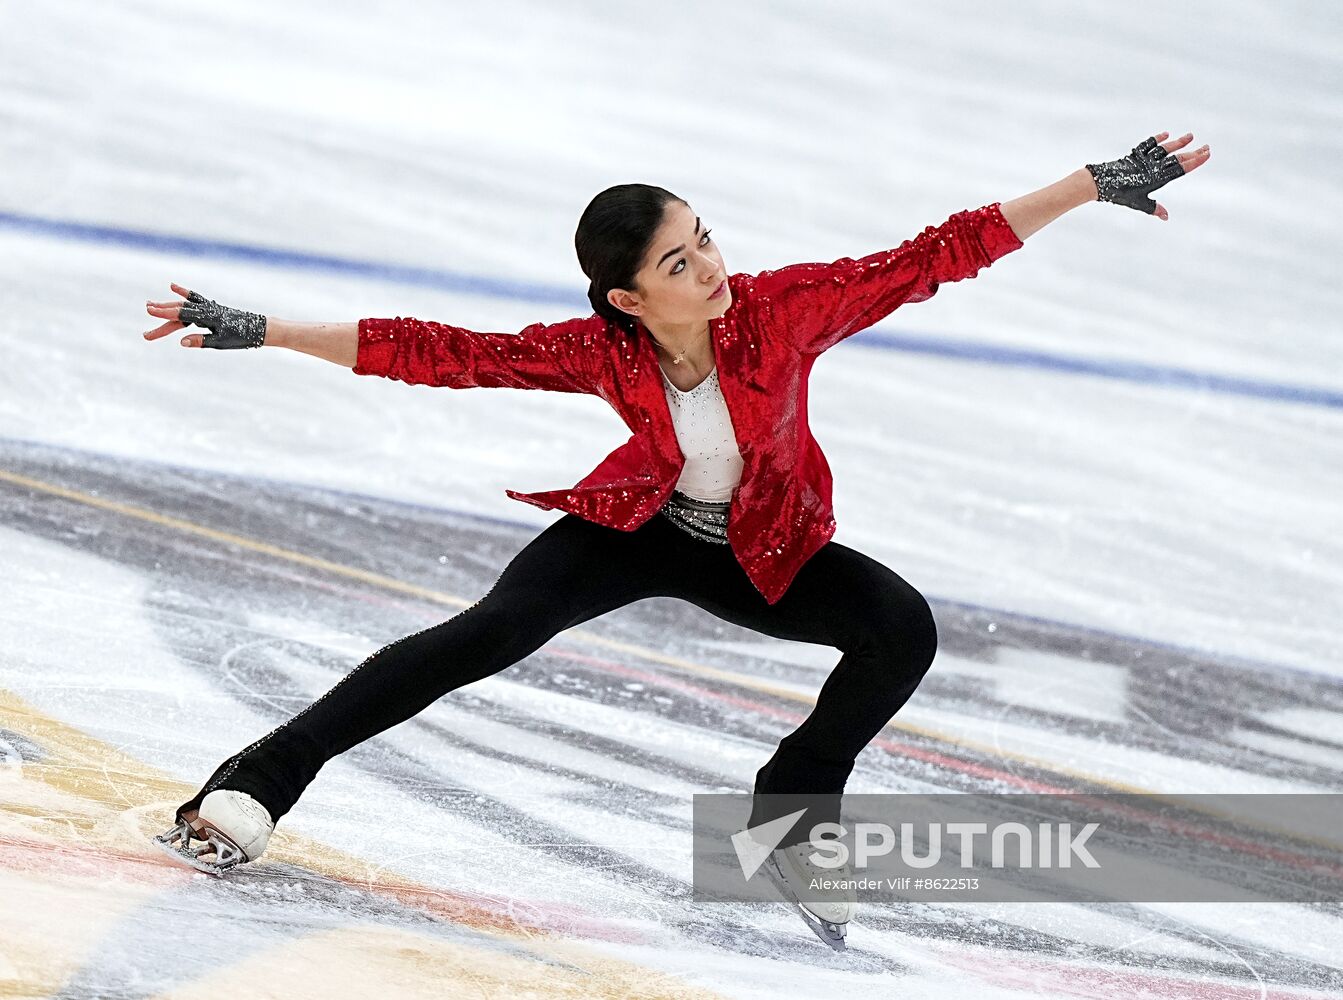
<point>1137,579</point>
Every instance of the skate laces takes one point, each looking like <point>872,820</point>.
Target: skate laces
<point>254,809</point>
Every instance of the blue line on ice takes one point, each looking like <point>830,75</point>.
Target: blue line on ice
<point>453,281</point>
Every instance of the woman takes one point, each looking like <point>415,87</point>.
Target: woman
<point>721,496</point>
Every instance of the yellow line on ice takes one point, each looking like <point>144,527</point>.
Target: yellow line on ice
<point>191,527</point>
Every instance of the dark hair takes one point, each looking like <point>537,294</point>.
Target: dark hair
<point>613,237</point>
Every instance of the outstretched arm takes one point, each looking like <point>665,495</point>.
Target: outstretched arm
<point>226,327</point>
<point>1129,180</point>
<point>817,305</point>
<point>562,357</point>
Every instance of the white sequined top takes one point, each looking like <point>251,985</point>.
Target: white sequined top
<point>713,463</point>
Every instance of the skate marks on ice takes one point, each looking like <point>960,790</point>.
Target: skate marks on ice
<point>572,700</point>
<point>1146,952</point>
<point>101,915</point>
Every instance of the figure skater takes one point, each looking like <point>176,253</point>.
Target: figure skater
<point>721,496</point>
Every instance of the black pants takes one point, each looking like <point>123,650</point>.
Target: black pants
<point>576,570</point>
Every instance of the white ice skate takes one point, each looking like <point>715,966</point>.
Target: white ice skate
<point>234,827</point>
<point>826,910</point>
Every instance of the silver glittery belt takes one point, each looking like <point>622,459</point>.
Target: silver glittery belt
<point>703,519</point>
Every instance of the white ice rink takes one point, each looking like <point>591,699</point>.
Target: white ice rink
<point>1125,434</point>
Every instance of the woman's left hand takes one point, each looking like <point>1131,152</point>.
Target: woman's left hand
<point>1131,179</point>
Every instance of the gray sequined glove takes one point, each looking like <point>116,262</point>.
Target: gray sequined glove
<point>230,328</point>
<point>1131,179</point>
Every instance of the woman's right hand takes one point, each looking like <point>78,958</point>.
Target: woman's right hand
<point>228,328</point>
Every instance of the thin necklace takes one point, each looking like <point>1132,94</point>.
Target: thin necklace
<point>678,359</point>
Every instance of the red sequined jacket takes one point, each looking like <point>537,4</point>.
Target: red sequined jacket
<point>764,346</point>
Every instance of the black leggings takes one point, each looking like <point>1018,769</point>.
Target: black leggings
<point>576,570</point>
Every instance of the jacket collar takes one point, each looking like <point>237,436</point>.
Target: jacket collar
<point>648,386</point>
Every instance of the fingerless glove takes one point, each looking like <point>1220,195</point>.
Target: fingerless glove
<point>1131,179</point>
<point>230,328</point>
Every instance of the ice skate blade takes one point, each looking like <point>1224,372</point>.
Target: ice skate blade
<point>176,843</point>
<point>831,933</point>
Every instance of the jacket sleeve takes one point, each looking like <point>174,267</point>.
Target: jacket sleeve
<point>818,305</point>
<point>561,357</point>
